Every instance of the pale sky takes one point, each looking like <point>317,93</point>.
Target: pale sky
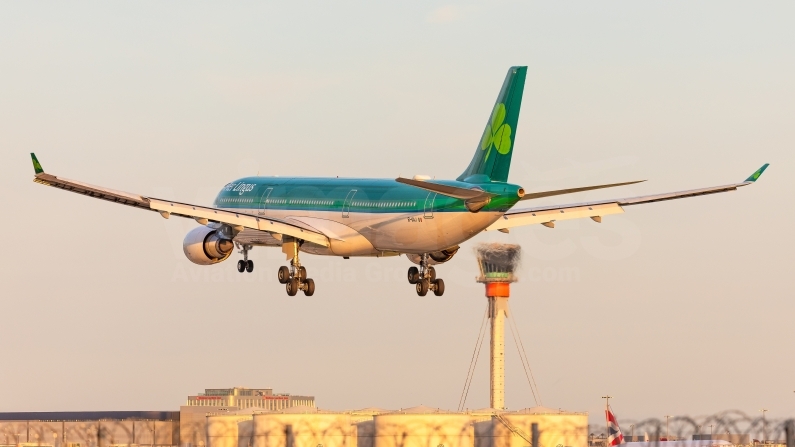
<point>683,307</point>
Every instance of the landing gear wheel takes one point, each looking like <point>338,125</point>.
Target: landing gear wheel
<point>438,288</point>
<point>292,286</point>
<point>422,287</point>
<point>244,264</point>
<point>301,273</point>
<point>309,287</point>
<point>431,273</point>
<point>413,275</point>
<point>284,274</point>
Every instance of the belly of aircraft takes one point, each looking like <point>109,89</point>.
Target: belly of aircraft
<point>408,233</point>
<point>395,232</point>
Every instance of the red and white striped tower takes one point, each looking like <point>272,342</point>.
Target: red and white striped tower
<point>497,263</point>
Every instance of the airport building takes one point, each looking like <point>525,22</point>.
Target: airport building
<point>297,426</point>
<point>411,427</point>
<point>90,428</point>
<point>262,398</point>
<point>187,427</point>
<point>193,416</point>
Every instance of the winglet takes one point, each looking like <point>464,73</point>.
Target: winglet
<point>758,173</point>
<point>36,165</point>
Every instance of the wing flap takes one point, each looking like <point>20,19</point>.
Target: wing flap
<point>515,218</point>
<point>237,219</point>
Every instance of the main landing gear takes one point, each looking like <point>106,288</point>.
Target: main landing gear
<point>425,278</point>
<point>245,264</point>
<point>294,277</point>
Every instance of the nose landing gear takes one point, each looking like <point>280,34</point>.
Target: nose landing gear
<point>245,264</point>
<point>425,279</point>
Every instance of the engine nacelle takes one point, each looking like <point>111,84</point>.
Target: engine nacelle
<point>436,257</point>
<point>204,246</point>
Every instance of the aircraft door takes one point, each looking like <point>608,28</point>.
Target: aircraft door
<point>346,205</point>
<point>429,205</point>
<point>264,200</point>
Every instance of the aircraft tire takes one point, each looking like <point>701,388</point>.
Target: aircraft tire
<point>241,265</point>
<point>284,274</point>
<point>413,275</point>
<point>431,273</point>
<point>422,287</point>
<point>439,289</point>
<point>292,286</point>
<point>249,266</point>
<point>301,272</point>
<point>310,287</point>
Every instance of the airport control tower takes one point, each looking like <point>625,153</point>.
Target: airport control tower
<point>497,264</point>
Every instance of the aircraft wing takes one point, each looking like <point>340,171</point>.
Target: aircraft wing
<point>559,192</point>
<point>548,215</point>
<point>166,208</point>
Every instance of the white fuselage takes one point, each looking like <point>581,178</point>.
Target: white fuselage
<point>373,234</point>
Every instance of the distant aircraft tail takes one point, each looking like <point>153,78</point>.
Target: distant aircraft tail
<point>492,159</point>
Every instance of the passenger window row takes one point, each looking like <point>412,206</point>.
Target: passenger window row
<point>383,204</point>
<point>320,202</point>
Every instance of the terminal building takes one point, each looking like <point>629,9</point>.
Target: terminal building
<point>193,416</point>
<point>187,427</point>
<point>262,398</point>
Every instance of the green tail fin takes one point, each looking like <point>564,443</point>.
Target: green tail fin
<point>492,159</point>
<point>36,165</point>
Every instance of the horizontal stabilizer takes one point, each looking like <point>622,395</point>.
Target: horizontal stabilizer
<point>450,191</point>
<point>474,199</point>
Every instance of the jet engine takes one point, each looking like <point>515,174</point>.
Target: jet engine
<point>205,246</point>
<point>436,257</point>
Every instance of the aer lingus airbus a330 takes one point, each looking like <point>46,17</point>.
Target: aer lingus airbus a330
<point>426,220</point>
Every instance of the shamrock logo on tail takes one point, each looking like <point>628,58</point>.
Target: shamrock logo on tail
<point>497,134</point>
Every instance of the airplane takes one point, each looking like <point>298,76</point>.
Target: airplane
<point>424,219</point>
